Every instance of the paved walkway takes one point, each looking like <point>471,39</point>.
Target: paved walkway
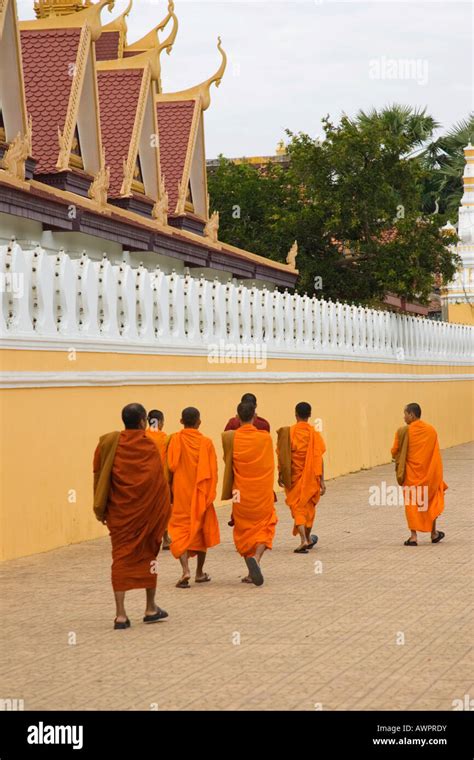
<point>308,639</point>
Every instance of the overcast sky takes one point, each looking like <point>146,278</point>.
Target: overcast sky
<point>293,61</point>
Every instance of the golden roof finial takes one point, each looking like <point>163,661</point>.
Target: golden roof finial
<point>119,24</point>
<point>46,8</point>
<point>201,90</point>
<point>151,40</point>
<point>53,18</point>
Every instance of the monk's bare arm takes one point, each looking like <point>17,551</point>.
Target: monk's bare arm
<point>322,481</point>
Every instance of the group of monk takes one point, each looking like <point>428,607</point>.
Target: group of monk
<point>154,491</point>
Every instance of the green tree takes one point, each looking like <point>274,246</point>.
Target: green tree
<point>354,202</point>
<point>444,161</point>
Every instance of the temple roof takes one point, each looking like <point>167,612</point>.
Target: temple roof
<point>102,126</point>
<point>47,57</point>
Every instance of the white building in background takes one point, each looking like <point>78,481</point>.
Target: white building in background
<point>458,296</point>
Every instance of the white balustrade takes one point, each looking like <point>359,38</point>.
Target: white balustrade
<point>63,298</point>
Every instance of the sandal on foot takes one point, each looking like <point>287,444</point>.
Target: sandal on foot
<point>205,579</point>
<point>254,570</point>
<point>122,625</point>
<point>301,550</point>
<point>183,584</point>
<point>158,615</point>
<point>409,542</point>
<point>438,538</point>
<point>314,540</point>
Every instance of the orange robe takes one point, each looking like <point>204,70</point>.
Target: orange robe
<point>137,510</point>
<point>253,509</point>
<point>424,470</point>
<point>159,439</point>
<point>307,449</point>
<point>193,526</point>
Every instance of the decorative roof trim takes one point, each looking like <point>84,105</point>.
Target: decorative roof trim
<point>119,25</point>
<point>129,164</point>
<point>151,40</point>
<point>202,90</point>
<point>185,177</point>
<point>65,137</point>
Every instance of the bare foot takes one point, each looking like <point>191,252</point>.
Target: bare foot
<point>247,579</point>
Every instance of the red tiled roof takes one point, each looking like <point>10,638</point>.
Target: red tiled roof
<point>118,98</point>
<point>174,127</point>
<point>107,46</point>
<point>48,59</point>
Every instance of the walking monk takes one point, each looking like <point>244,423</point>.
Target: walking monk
<point>248,481</point>
<point>132,498</point>
<point>193,526</point>
<point>301,471</point>
<point>155,432</point>
<point>260,422</point>
<point>420,471</point>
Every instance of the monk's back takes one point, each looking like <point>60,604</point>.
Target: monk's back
<point>183,458</point>
<point>422,439</point>
<point>136,465</point>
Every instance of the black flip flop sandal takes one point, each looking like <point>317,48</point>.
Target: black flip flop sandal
<point>254,570</point>
<point>122,625</point>
<point>314,541</point>
<point>183,584</point>
<point>158,615</point>
<point>205,579</point>
<point>409,542</point>
<point>301,550</point>
<point>438,538</point>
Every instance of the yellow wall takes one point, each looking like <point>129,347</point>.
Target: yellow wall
<point>461,313</point>
<point>48,435</point>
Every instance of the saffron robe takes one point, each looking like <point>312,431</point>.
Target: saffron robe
<point>253,470</point>
<point>306,448</point>
<point>193,526</point>
<point>137,509</point>
<point>423,476</point>
<point>160,439</point>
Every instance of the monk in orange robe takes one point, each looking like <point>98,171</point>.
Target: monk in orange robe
<point>132,498</point>
<point>193,526</point>
<point>248,481</point>
<point>155,432</point>
<point>301,471</point>
<point>421,475</point>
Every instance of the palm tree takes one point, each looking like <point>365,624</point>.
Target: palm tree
<point>402,121</point>
<point>444,159</point>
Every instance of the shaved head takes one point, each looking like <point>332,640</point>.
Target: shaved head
<point>414,409</point>
<point>190,417</point>
<point>134,416</point>
<point>246,411</point>
<point>303,410</point>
